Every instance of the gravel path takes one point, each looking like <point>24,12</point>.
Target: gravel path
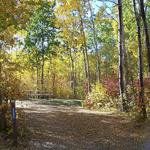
<point>59,127</point>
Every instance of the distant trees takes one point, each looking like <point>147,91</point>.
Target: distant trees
<point>70,48</point>
<point>97,58</point>
<point>81,7</point>
<point>91,36</point>
<point>41,33</point>
<point>123,56</point>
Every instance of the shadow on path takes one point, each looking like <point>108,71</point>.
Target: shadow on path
<point>59,127</point>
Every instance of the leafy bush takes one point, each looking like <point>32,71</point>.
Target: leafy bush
<point>111,85</point>
<point>98,98</point>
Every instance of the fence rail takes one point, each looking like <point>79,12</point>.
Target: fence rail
<point>38,95</point>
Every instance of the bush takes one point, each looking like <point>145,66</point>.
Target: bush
<point>98,98</point>
<point>111,85</point>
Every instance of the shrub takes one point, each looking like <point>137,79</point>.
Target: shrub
<point>111,85</point>
<point>98,98</point>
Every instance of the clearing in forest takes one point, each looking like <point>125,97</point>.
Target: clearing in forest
<point>64,125</point>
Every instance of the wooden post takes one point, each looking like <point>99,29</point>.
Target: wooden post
<point>13,110</point>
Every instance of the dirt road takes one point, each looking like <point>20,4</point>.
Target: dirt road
<point>55,126</point>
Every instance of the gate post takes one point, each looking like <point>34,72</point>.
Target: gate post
<point>13,111</point>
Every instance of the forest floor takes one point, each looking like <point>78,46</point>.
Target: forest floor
<point>55,125</point>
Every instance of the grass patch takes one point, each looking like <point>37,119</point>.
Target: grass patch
<point>65,102</point>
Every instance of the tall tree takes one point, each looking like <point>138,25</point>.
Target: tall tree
<point>73,73</point>
<point>95,42</point>
<point>147,39</point>
<point>121,56</point>
<point>12,16</point>
<point>85,49</point>
<point>71,35</point>
<point>140,64</point>
<point>1,109</point>
<point>41,32</point>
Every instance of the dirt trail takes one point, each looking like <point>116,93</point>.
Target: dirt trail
<point>59,127</point>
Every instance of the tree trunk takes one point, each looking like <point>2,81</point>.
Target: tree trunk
<point>1,118</point>
<point>3,122</point>
<point>142,106</point>
<point>42,72</point>
<point>121,57</point>
<point>85,54</point>
<point>37,71</point>
<point>73,79</point>
<point>98,74</point>
<point>126,70</point>
<point>2,110</point>
<point>142,11</point>
<point>53,79</point>
<point>125,58</point>
<point>37,78</point>
<point>42,67</point>
<point>53,84</point>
